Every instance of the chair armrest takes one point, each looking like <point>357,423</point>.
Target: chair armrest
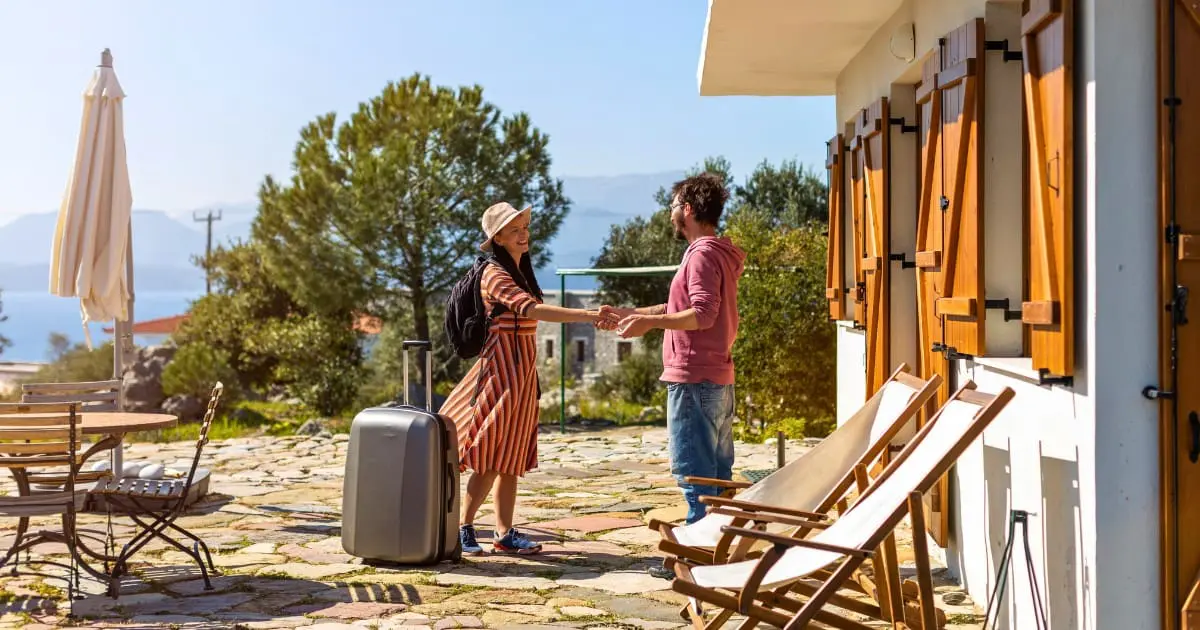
<point>786,541</point>
<point>770,518</point>
<point>761,507</point>
<point>720,483</point>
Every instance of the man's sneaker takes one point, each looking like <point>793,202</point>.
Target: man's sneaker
<point>661,572</point>
<point>470,546</point>
<point>516,542</point>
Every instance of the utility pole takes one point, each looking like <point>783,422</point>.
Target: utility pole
<point>209,218</point>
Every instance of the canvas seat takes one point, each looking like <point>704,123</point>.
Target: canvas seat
<point>810,485</point>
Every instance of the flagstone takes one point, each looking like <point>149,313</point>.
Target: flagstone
<point>640,535</point>
<point>358,610</point>
<point>619,582</point>
<point>309,571</point>
<point>589,524</point>
<point>467,577</point>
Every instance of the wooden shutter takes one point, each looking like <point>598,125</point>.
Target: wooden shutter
<point>958,85</point>
<point>858,293</point>
<point>929,257</point>
<point>872,136</point>
<point>1049,312</point>
<point>929,229</point>
<point>835,266</point>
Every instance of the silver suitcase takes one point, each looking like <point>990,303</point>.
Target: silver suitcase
<point>400,496</point>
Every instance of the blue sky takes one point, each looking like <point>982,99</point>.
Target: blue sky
<point>218,90</point>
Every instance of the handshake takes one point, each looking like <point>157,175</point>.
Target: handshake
<point>627,322</point>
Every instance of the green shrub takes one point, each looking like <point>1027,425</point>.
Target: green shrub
<point>77,364</point>
<point>195,369</point>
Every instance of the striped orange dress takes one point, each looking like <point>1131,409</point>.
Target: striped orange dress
<point>499,432</point>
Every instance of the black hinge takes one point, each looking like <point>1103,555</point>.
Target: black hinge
<point>1172,101</point>
<point>1178,306</point>
<point>950,353</point>
<point>944,203</point>
<point>903,127</point>
<point>903,260</point>
<point>1001,45</point>
<point>1002,305</point>
<point>1171,233</point>
<point>1045,378</point>
<point>1151,392</point>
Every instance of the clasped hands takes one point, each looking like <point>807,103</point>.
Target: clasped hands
<point>625,321</point>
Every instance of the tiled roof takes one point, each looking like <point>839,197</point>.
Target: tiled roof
<point>160,326</point>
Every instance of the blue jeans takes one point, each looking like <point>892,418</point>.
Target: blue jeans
<point>700,432</point>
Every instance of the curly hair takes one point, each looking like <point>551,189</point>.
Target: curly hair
<point>705,193</point>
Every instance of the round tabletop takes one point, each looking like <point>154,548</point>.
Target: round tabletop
<point>106,422</point>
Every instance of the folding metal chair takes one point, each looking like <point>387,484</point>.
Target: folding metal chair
<point>154,506</point>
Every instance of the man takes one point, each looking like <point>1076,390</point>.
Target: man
<point>700,320</point>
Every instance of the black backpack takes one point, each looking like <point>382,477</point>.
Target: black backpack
<point>466,322</point>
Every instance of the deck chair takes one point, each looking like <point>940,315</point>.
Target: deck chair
<point>155,505</point>
<point>811,484</point>
<point>45,435</point>
<point>818,567</point>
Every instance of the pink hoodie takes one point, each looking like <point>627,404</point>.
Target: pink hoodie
<point>707,281</point>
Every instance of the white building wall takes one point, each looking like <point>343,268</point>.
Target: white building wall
<point>852,371</point>
<point>1083,461</point>
<point>1118,69</point>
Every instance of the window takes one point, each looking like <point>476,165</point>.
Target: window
<point>624,350</point>
<point>549,348</point>
<point>580,350</point>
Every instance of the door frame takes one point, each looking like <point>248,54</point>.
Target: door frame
<point>1169,68</point>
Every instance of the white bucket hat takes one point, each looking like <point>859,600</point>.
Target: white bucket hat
<point>496,217</point>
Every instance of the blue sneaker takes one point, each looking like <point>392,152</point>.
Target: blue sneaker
<point>516,542</point>
<point>470,546</point>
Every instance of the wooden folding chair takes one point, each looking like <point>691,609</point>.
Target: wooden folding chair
<point>154,506</point>
<point>90,396</point>
<point>817,568</point>
<point>812,484</point>
<point>45,435</point>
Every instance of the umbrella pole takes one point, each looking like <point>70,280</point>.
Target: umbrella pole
<point>122,343</point>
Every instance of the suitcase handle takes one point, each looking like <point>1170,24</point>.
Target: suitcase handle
<point>453,487</point>
<point>428,347</point>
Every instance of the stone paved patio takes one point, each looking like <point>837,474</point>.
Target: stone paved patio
<point>273,516</point>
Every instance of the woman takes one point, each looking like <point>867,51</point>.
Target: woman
<point>495,408</point>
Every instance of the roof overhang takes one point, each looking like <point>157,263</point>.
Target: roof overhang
<point>785,47</point>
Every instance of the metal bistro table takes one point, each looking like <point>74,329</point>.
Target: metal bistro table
<point>113,426</point>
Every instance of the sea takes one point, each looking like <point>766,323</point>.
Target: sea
<point>32,316</point>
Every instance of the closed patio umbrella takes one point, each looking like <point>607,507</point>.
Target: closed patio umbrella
<point>91,255</point>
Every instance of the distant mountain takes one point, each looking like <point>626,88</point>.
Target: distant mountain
<point>163,244</point>
<point>147,278</point>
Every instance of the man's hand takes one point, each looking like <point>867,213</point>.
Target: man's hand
<point>634,326</point>
<point>606,319</point>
